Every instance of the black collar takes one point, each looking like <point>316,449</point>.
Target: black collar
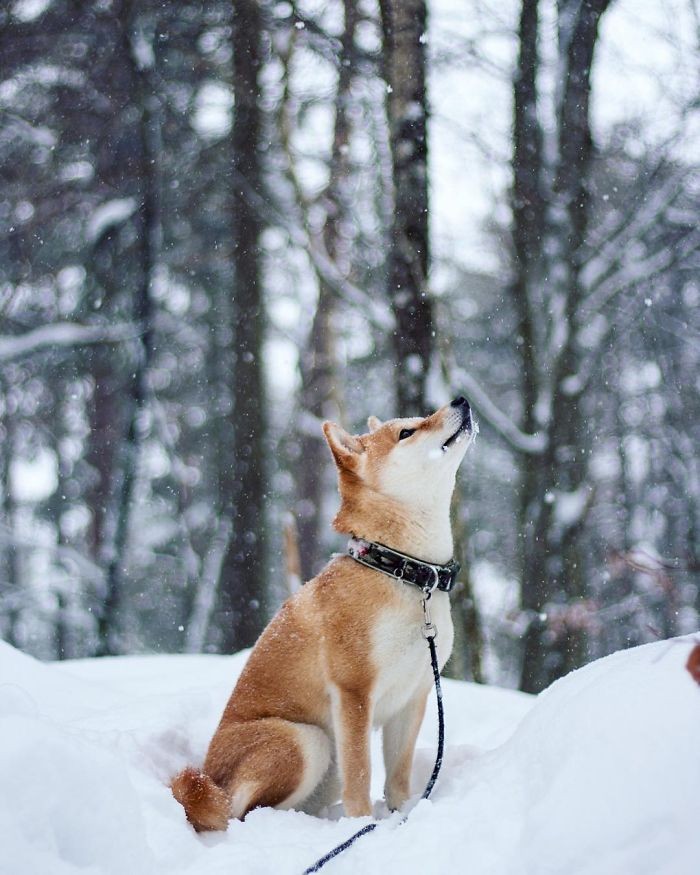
<point>402,567</point>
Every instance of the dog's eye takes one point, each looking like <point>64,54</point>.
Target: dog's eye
<point>405,433</point>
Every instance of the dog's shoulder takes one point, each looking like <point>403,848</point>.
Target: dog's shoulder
<point>351,602</point>
<point>347,596</point>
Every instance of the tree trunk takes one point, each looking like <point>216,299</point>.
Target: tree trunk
<point>57,508</point>
<point>404,27</point>
<point>10,590</point>
<point>528,205</point>
<point>466,661</point>
<point>242,595</point>
<point>110,627</point>
<point>105,416</point>
<point>316,398</point>
<point>317,365</point>
<point>528,239</point>
<point>553,572</point>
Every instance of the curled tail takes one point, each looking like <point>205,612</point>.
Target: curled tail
<point>206,805</point>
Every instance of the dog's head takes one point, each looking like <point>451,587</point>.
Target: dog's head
<point>408,460</point>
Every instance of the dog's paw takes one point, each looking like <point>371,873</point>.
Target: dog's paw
<point>361,808</point>
<point>396,797</point>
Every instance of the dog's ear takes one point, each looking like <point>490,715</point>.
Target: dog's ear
<point>373,423</point>
<point>346,448</point>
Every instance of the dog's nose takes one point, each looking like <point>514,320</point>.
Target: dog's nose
<point>460,401</point>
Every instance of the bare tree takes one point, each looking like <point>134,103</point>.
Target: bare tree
<point>567,271</point>
<point>547,259</point>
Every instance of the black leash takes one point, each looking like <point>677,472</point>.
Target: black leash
<point>429,632</point>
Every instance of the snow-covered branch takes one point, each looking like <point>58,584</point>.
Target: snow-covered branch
<point>531,444</point>
<point>643,270</point>
<point>61,334</point>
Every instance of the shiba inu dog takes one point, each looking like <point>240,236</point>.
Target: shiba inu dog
<point>345,653</point>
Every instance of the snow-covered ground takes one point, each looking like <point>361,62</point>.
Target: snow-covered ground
<point>600,774</point>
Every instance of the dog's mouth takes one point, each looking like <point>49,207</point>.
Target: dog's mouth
<point>465,427</point>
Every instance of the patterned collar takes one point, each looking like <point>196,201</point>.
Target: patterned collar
<point>408,569</point>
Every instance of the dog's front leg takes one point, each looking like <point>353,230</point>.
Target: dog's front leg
<point>399,741</point>
<point>352,720</point>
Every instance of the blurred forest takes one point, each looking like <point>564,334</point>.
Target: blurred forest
<point>224,221</point>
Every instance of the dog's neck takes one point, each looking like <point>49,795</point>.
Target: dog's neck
<point>423,532</point>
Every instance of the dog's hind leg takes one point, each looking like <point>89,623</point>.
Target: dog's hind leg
<point>267,762</point>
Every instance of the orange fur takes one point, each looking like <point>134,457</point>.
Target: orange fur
<point>205,804</point>
<point>344,653</point>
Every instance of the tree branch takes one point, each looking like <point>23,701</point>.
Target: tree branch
<point>530,444</point>
<point>62,334</point>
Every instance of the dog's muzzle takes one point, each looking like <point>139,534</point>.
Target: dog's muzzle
<point>462,405</point>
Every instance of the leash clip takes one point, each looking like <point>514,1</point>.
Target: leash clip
<point>429,629</point>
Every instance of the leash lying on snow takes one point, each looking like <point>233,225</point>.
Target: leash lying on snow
<point>429,633</point>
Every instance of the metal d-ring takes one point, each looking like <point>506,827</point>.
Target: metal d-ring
<point>429,589</point>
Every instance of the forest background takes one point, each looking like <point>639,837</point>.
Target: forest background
<point>223,222</point>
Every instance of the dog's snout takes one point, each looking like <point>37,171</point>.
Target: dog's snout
<point>460,401</point>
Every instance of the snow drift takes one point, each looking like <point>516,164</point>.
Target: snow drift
<point>599,774</point>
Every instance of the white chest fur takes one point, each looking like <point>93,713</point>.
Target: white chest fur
<point>400,653</point>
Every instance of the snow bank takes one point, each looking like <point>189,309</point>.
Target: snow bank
<point>600,776</point>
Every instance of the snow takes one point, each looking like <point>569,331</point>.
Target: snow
<point>142,51</point>
<point>29,10</point>
<point>34,479</point>
<point>599,775</point>
<point>569,507</point>
<point>109,214</point>
<point>213,113</point>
